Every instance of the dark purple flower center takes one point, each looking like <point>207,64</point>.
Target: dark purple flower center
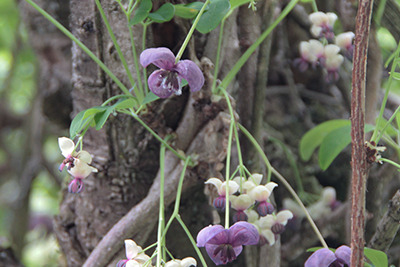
<point>227,253</point>
<point>168,80</point>
<point>336,263</point>
<point>219,203</point>
<point>240,216</point>
<point>278,228</point>
<point>265,208</point>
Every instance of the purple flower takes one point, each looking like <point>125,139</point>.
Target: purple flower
<point>224,245</point>
<point>326,258</point>
<point>167,80</point>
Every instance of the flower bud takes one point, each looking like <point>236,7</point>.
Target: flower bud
<point>265,208</point>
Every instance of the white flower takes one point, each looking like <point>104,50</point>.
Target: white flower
<point>186,262</point>
<point>322,24</point>
<point>271,225</point>
<point>77,162</point>
<point>345,40</point>
<point>134,254</point>
<point>221,186</point>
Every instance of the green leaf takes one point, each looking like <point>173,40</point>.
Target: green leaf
<point>150,97</point>
<point>237,3</point>
<point>163,14</point>
<point>101,117</point>
<point>188,11</point>
<point>126,103</point>
<point>334,142</point>
<point>313,138</point>
<point>306,1</point>
<point>81,118</point>
<point>398,120</point>
<point>377,257</point>
<point>142,12</point>
<point>210,19</point>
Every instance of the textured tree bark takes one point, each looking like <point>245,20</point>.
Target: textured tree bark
<point>359,165</point>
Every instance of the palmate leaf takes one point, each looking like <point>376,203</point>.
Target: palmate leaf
<point>188,11</point>
<point>163,14</point>
<point>142,12</point>
<point>213,16</point>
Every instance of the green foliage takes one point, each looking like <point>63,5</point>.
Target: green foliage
<point>150,97</point>
<point>331,136</point>
<point>163,14</point>
<point>377,257</point>
<point>96,116</point>
<point>213,16</point>
<point>142,12</point>
<point>188,11</point>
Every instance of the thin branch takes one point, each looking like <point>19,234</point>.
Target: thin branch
<point>358,156</point>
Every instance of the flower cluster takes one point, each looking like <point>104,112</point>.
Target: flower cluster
<point>325,52</point>
<point>77,164</point>
<point>255,221</point>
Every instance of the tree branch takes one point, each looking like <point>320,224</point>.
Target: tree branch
<point>358,155</point>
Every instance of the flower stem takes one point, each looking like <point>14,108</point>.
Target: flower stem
<point>285,183</point>
<point>161,216</point>
<point>225,82</point>
<point>390,162</point>
<point>227,169</point>
<point>178,218</point>
<point>190,33</point>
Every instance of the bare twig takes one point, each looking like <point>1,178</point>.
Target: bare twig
<point>358,156</point>
<point>388,226</point>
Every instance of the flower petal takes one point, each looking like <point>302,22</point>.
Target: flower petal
<point>81,169</point>
<point>256,178</point>
<point>259,193</point>
<point>173,263</point>
<point>343,254</point>
<point>157,84</point>
<point>269,235</point>
<point>270,186</point>
<point>66,146</point>
<point>241,202</point>
<point>233,187</point>
<point>188,261</point>
<point>162,57</point>
<point>84,156</point>
<point>207,233</point>
<point>131,249</point>
<point>215,181</point>
<point>283,216</point>
<point>243,233</point>
<point>189,71</point>
<point>320,258</point>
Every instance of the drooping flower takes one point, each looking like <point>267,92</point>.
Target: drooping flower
<point>77,164</point>
<point>135,257</point>
<point>224,245</point>
<point>240,204</point>
<point>326,258</point>
<point>345,42</point>
<point>322,24</point>
<point>167,80</point>
<point>261,194</point>
<point>220,201</point>
<point>186,262</point>
<point>333,61</point>
<point>311,52</point>
<point>274,225</point>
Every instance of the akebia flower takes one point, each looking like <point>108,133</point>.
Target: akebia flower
<point>326,258</point>
<point>261,194</point>
<point>311,52</point>
<point>186,262</point>
<point>274,225</point>
<point>322,24</point>
<point>220,202</point>
<point>345,42</point>
<point>134,254</point>
<point>77,164</point>
<point>167,80</point>
<point>224,245</point>
<point>240,204</point>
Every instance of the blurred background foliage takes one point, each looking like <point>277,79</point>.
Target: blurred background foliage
<point>41,193</point>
